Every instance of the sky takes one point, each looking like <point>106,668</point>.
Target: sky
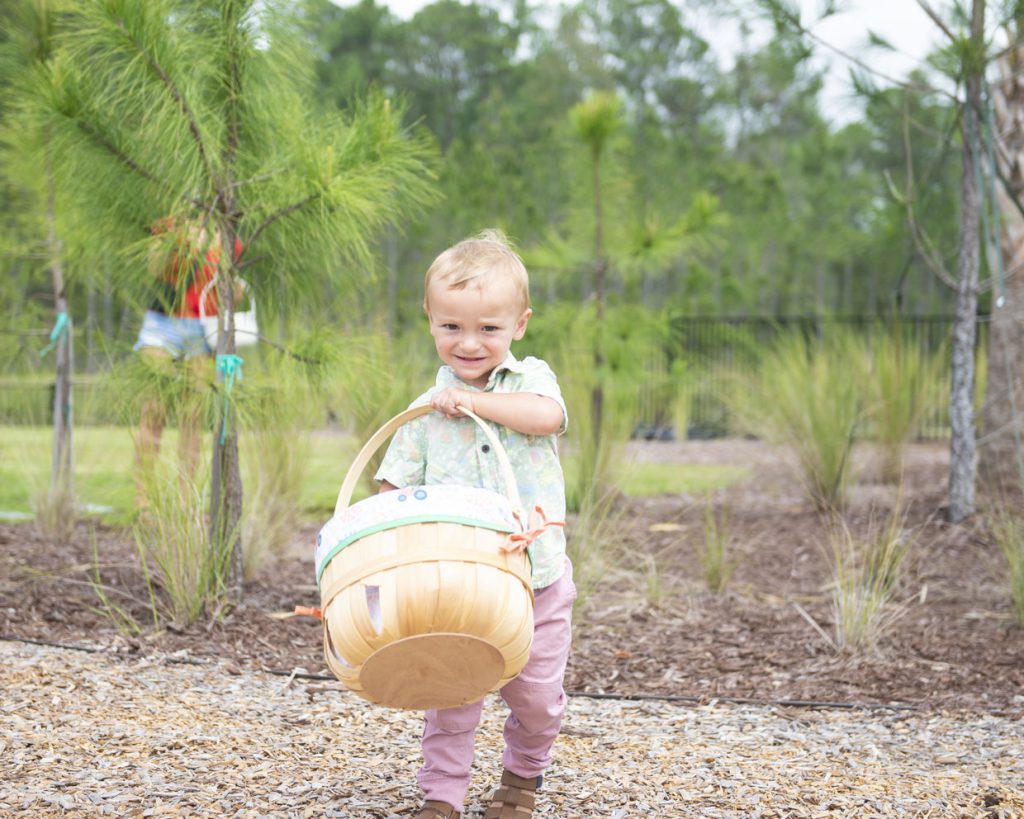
<point>902,23</point>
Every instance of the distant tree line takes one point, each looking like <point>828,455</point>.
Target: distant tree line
<point>794,215</point>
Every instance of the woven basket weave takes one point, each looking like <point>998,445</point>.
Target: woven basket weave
<point>421,606</point>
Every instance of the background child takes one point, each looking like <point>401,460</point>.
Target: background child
<point>477,302</point>
<point>172,336</point>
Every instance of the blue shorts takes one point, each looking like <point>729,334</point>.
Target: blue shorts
<point>181,337</point>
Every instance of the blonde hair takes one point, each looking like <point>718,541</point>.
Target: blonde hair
<point>478,261</point>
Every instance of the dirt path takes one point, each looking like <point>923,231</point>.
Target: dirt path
<point>91,734</point>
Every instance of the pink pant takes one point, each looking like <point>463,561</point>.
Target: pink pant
<point>535,698</point>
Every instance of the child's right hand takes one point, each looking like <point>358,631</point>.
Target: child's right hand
<point>449,399</point>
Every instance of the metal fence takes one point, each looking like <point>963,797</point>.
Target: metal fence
<point>703,358</point>
<point>717,351</point>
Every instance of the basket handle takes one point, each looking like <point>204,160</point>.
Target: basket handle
<point>382,434</point>
<point>213,280</point>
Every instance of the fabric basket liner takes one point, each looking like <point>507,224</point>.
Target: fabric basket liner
<point>437,503</point>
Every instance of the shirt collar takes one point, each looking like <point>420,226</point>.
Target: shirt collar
<point>446,376</point>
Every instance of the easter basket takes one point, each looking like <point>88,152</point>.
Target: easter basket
<point>421,605</point>
<point>247,331</point>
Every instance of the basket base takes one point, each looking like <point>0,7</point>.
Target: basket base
<point>431,671</point>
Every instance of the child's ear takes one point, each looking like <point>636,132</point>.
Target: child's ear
<point>520,330</point>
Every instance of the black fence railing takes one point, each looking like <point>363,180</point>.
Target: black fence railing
<point>718,350</point>
<point>704,358</point>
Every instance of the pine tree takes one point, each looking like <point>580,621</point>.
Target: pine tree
<point>203,107</point>
<point>28,54</point>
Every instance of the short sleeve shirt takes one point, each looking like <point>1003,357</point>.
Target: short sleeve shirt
<point>434,449</point>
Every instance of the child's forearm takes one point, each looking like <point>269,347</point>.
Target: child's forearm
<point>525,412</point>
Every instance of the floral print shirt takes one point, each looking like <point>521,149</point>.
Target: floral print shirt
<point>433,449</point>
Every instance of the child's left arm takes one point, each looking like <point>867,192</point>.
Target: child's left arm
<point>525,412</point>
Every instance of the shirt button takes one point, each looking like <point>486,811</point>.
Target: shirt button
<point>486,448</point>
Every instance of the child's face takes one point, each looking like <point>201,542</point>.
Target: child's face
<point>474,328</point>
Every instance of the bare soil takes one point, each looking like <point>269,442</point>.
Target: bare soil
<point>649,627</point>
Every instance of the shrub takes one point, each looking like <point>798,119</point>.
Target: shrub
<point>715,552</point>
<point>594,454</point>
<point>55,509</point>
<point>280,407</point>
<point>904,379</point>
<point>1008,531</point>
<point>593,542</point>
<point>375,379</point>
<point>808,396</point>
<point>189,571</point>
<point>277,458</point>
<point>866,575</point>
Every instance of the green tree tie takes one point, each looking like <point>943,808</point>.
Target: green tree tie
<point>228,366</point>
<point>60,325</point>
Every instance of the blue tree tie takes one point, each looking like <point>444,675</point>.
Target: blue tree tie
<point>228,366</point>
<point>59,326</point>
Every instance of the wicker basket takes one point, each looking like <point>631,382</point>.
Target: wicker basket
<point>421,607</point>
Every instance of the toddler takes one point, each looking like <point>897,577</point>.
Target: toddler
<point>477,302</point>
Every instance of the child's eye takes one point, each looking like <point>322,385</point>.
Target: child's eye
<point>450,326</point>
<point>490,328</point>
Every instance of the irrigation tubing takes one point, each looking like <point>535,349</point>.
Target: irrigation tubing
<point>678,699</point>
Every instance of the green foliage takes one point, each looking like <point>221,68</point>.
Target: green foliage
<point>808,395</point>
<point>631,345</point>
<point>684,383</point>
<point>113,609</point>
<point>596,119</point>
<point>1008,531</point>
<point>810,221</point>
<point>279,457</point>
<point>103,470</point>
<point>54,509</point>
<point>189,571</point>
<point>376,379</point>
<point>276,450</point>
<point>181,110</point>
<point>199,111</point>
<point>866,576</point>
<point>103,459</point>
<point>904,378</point>
<point>181,390</point>
<point>644,479</point>
<point>715,552</point>
<point>357,41</point>
<point>597,453</point>
<point>657,589</point>
<point>595,542</point>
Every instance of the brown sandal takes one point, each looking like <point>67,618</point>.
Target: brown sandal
<point>432,809</point>
<point>515,799</point>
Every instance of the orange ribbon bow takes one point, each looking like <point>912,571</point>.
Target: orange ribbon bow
<point>537,524</point>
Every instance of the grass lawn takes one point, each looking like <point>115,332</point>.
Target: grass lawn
<point>644,479</point>
<point>103,463</point>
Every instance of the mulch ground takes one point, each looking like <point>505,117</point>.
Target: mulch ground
<point>950,669</point>
<point>83,735</point>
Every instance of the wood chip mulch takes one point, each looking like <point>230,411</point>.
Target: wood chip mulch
<point>95,735</point>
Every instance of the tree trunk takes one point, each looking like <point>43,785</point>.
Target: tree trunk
<point>1001,460</point>
<point>226,483</point>
<point>600,274</point>
<point>62,460</point>
<point>226,475</point>
<point>90,328</point>
<point>963,462</point>
<point>391,317</point>
<point>108,307</point>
